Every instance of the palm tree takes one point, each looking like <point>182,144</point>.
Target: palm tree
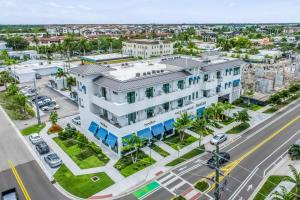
<point>61,74</point>
<point>182,123</point>
<point>284,194</point>
<point>83,45</point>
<point>20,100</point>
<point>71,81</point>
<point>5,78</point>
<point>242,116</point>
<point>295,178</point>
<point>134,143</point>
<point>227,107</point>
<point>201,124</point>
<point>12,90</point>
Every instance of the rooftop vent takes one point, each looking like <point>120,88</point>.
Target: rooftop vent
<point>144,73</point>
<point>162,70</point>
<point>137,74</point>
<point>148,73</point>
<point>157,71</point>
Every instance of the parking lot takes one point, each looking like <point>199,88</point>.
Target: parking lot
<point>66,106</point>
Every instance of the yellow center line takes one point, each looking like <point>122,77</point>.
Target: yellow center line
<point>229,167</point>
<point>19,180</point>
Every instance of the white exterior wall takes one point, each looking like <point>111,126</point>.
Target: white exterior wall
<point>117,104</point>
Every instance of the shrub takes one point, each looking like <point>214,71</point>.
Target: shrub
<point>87,152</point>
<point>202,186</point>
<point>70,142</point>
<point>82,140</point>
<point>55,128</point>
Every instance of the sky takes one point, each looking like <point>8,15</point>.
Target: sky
<point>148,11</point>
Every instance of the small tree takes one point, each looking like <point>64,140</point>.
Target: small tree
<point>82,140</point>
<point>71,81</point>
<point>5,78</point>
<point>284,194</point>
<point>61,74</point>
<point>242,116</point>
<point>53,118</point>
<point>12,90</point>
<point>295,178</point>
<point>182,123</point>
<point>275,99</point>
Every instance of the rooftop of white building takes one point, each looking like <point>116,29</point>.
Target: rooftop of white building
<point>104,57</point>
<point>31,65</point>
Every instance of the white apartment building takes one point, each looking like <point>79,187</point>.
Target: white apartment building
<point>146,97</point>
<point>147,48</point>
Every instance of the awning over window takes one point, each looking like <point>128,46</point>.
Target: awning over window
<point>200,111</point>
<point>111,140</point>
<point>145,134</point>
<point>125,139</point>
<point>102,133</point>
<point>169,124</point>
<point>93,127</point>
<point>157,129</point>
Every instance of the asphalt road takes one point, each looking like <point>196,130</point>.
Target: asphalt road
<point>13,149</point>
<point>252,155</point>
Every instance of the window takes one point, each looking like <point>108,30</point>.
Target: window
<point>150,112</point>
<point>196,95</point>
<point>219,75</point>
<point>218,89</point>
<point>149,92</point>
<point>205,77</point>
<point>190,97</point>
<point>236,71</point>
<point>166,88</point>
<point>131,118</point>
<point>166,106</point>
<point>193,96</point>
<point>103,92</point>
<point>227,71</point>
<point>205,93</point>
<point>230,70</point>
<point>190,81</point>
<point>180,84</point>
<point>131,97</point>
<point>180,102</point>
<point>226,85</point>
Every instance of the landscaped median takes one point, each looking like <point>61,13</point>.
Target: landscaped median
<point>130,164</point>
<point>82,186</point>
<point>84,153</point>
<point>185,157</point>
<point>270,184</point>
<point>239,128</point>
<point>175,142</point>
<point>33,129</point>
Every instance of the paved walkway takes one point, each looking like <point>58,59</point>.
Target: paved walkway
<point>153,154</point>
<point>123,184</point>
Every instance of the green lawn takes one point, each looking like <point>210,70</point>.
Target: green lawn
<point>202,186</point>
<point>127,167</point>
<point>210,131</point>
<point>174,141</point>
<point>268,187</point>
<point>82,186</point>
<point>33,129</point>
<point>159,150</point>
<point>250,106</point>
<point>227,120</point>
<point>271,110</point>
<point>239,128</point>
<point>189,155</point>
<point>74,152</point>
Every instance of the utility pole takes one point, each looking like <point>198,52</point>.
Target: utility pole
<point>217,189</point>
<point>36,103</point>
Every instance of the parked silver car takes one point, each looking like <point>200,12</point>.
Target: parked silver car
<point>218,138</point>
<point>35,138</point>
<point>53,160</point>
<point>50,107</point>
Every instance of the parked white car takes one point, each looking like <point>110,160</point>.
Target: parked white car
<point>218,138</point>
<point>50,107</point>
<point>35,138</point>
<point>76,120</point>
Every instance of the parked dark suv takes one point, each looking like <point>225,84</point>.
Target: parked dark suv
<point>223,158</point>
<point>42,148</point>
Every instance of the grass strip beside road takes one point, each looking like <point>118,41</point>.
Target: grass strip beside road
<point>144,191</point>
<point>185,157</point>
<point>270,184</point>
<point>33,129</point>
<point>238,129</point>
<point>159,150</point>
<point>82,186</point>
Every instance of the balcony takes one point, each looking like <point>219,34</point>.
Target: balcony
<point>210,84</point>
<point>121,109</point>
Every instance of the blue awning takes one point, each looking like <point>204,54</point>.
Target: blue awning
<point>192,117</point>
<point>191,78</point>
<point>125,138</point>
<point>158,129</point>
<point>111,140</point>
<point>195,78</point>
<point>102,133</point>
<point>169,124</point>
<point>145,134</point>
<point>93,127</point>
<point>236,81</point>
<point>200,111</point>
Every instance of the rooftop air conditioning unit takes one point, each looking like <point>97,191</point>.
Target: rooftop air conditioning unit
<point>148,73</point>
<point>144,73</point>
<point>137,75</point>
<point>162,70</point>
<point>153,72</point>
